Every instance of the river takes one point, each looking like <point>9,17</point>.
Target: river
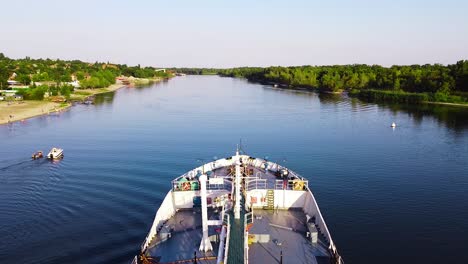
<point>387,195</point>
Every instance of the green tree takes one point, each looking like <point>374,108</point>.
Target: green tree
<point>24,79</point>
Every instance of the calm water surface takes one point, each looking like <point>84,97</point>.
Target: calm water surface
<point>388,196</point>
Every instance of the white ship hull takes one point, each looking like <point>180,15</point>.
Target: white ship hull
<point>278,217</point>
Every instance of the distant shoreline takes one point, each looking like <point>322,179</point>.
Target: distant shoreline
<point>298,88</point>
<point>26,109</point>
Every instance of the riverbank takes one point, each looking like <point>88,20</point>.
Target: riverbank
<point>18,111</point>
<point>449,104</point>
<point>389,96</point>
<point>378,96</point>
<point>83,94</point>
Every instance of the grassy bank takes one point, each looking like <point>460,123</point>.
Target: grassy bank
<point>82,94</point>
<point>406,97</point>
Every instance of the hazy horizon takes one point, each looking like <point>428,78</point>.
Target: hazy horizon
<point>240,33</point>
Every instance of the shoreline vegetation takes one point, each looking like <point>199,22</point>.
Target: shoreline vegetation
<point>33,87</point>
<point>13,111</point>
<point>413,84</point>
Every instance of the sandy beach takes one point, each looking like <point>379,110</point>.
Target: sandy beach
<point>16,111</point>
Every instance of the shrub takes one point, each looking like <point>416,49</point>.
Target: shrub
<point>393,96</point>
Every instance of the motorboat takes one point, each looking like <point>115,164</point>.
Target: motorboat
<point>37,155</point>
<point>55,153</point>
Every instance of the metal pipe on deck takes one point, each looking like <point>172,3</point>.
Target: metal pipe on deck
<point>205,244</point>
<point>222,238</point>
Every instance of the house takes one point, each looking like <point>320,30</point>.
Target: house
<point>10,94</point>
<point>19,87</point>
<point>13,82</point>
<point>75,84</point>
<point>7,93</point>
<point>16,85</point>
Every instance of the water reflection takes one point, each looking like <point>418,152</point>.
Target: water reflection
<point>143,87</point>
<point>104,98</point>
<point>330,98</point>
<point>452,117</point>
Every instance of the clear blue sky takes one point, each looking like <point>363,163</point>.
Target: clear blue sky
<point>237,33</point>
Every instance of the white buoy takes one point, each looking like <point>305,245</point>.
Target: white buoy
<point>393,124</point>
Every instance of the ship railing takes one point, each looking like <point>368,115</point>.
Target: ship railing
<point>227,226</point>
<point>248,222</point>
<point>210,166</point>
<point>255,183</point>
<point>279,184</point>
<point>293,174</point>
<point>165,211</point>
<point>194,185</point>
<point>294,185</point>
<point>219,184</point>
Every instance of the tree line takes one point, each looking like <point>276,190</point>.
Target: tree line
<point>436,81</point>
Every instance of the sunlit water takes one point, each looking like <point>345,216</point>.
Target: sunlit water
<point>388,195</point>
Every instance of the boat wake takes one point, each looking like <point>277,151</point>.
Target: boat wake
<point>19,164</point>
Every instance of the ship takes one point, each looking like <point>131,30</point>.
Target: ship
<point>239,209</point>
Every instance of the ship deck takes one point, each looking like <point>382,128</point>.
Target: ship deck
<point>286,233</point>
<point>186,233</point>
<point>283,232</point>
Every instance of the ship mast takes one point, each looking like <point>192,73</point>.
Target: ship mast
<point>237,208</point>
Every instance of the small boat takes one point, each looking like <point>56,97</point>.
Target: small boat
<point>55,153</point>
<point>37,155</point>
<point>393,125</point>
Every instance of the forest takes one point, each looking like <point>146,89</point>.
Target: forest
<point>413,83</point>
